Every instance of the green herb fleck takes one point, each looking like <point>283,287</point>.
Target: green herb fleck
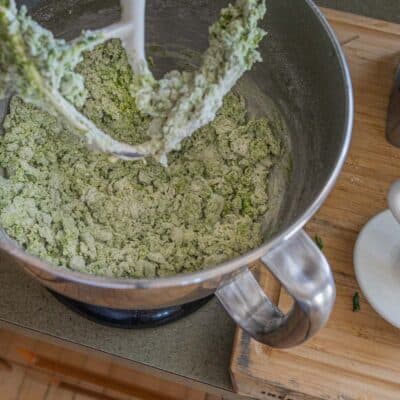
<point>150,61</point>
<point>319,242</point>
<point>356,302</point>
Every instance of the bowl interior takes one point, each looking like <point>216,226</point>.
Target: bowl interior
<point>301,77</point>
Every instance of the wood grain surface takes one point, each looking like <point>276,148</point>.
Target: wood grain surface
<point>32,369</point>
<point>357,356</point>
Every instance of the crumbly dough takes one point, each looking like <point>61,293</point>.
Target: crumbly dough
<point>72,207</point>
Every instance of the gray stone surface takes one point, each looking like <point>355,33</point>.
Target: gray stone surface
<point>197,347</point>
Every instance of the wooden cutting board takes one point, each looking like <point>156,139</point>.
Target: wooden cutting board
<point>357,356</point>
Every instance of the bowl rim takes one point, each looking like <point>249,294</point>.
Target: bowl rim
<point>229,266</point>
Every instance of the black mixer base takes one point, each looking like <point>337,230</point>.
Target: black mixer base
<point>131,319</point>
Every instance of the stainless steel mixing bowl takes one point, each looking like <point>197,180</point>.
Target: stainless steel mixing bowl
<point>305,74</point>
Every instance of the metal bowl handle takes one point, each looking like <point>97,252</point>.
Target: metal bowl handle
<point>394,199</point>
<point>303,270</point>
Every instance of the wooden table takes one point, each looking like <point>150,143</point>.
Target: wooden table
<point>357,356</point>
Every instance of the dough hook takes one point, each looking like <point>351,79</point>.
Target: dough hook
<point>179,104</point>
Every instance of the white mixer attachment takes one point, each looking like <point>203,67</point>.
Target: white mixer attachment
<point>130,30</point>
<point>179,103</point>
